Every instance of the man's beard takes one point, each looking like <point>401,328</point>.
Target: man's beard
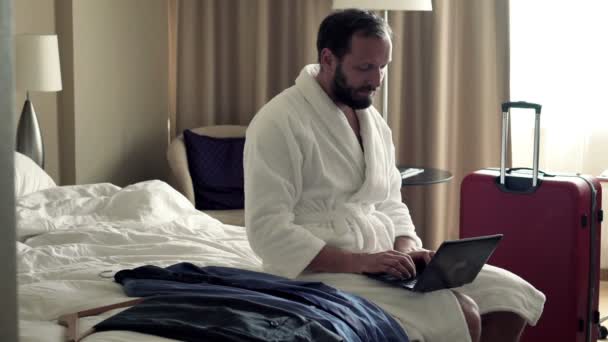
<point>346,95</point>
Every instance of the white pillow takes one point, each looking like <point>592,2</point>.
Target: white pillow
<point>29,177</point>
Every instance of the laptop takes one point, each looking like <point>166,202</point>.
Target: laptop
<point>455,263</point>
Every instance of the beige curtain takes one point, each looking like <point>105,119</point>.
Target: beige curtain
<point>449,74</point>
<point>233,56</point>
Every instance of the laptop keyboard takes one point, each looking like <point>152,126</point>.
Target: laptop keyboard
<point>407,283</point>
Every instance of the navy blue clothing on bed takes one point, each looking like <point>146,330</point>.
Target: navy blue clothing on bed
<point>242,305</point>
<point>217,316</point>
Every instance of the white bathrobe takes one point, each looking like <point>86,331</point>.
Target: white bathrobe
<point>309,183</point>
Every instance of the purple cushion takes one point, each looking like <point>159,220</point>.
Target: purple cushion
<point>216,168</point>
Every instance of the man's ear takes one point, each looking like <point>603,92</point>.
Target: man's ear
<point>327,59</point>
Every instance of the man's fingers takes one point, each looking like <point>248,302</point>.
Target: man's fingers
<point>423,255</point>
<point>394,272</point>
<point>427,258</point>
<point>400,271</point>
<point>396,265</point>
<point>396,252</point>
<point>404,264</point>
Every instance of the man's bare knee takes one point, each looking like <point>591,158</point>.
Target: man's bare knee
<point>471,315</point>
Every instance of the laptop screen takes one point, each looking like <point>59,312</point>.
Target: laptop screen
<point>458,262</point>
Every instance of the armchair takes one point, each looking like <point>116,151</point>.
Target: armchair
<point>181,179</point>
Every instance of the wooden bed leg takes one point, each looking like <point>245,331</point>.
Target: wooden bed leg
<point>70,321</point>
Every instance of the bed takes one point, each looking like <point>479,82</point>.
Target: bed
<point>73,239</point>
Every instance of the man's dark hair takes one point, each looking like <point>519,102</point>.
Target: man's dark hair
<point>338,28</point>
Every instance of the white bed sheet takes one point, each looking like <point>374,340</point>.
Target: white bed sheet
<point>73,239</point>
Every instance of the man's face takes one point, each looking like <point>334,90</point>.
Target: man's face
<point>360,72</point>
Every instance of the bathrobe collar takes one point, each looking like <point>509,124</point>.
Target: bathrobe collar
<point>371,164</point>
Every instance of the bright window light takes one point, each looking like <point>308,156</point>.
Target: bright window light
<point>559,58</point>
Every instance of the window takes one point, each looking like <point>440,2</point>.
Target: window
<point>559,58</point>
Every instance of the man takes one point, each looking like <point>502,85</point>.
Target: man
<point>323,200</point>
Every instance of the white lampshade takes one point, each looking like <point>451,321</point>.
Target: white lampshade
<point>38,63</point>
<point>391,5</point>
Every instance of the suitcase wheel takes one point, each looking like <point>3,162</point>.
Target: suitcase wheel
<point>603,332</point>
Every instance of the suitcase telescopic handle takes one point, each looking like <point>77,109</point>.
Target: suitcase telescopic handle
<point>521,104</point>
<point>505,129</point>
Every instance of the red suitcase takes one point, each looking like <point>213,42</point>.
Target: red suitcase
<point>551,227</point>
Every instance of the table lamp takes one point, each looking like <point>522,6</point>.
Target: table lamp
<point>385,5</point>
<point>37,69</point>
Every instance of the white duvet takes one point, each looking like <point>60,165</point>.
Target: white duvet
<point>73,239</point>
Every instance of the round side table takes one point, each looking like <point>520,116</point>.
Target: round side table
<point>428,176</point>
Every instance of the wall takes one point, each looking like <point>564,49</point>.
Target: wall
<point>38,16</point>
<point>8,286</point>
<point>115,103</point>
<point>109,123</point>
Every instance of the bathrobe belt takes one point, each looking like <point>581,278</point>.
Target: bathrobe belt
<point>348,218</point>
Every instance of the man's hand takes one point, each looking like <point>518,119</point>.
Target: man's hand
<point>419,255</point>
<point>396,263</point>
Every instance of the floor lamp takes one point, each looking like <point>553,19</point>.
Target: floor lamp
<point>385,5</point>
<point>37,69</point>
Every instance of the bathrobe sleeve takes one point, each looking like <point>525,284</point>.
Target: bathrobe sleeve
<point>273,184</point>
<point>393,206</point>
<point>397,211</point>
